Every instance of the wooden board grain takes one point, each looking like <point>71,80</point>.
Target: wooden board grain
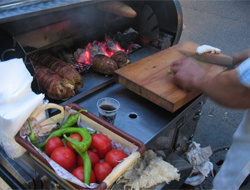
<point>148,77</point>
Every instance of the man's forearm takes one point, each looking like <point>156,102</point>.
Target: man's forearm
<point>225,89</point>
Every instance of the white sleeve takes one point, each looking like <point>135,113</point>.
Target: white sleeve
<point>244,72</point>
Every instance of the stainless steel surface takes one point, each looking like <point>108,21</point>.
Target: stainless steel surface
<point>26,172</point>
<point>18,9</point>
<point>140,116</point>
<point>16,171</point>
<point>170,18</point>
<point>147,23</point>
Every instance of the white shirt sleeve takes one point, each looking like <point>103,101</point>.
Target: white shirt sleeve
<point>244,72</point>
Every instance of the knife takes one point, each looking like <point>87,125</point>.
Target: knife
<point>224,61</point>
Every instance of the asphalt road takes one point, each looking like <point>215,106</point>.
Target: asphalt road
<point>224,24</point>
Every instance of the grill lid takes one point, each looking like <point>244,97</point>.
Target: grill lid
<point>11,10</point>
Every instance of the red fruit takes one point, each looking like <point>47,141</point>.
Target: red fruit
<point>65,157</point>
<point>100,144</point>
<point>102,170</point>
<point>94,158</point>
<point>114,157</point>
<point>74,136</point>
<point>52,144</point>
<point>79,174</point>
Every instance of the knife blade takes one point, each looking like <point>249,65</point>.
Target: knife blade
<point>224,61</point>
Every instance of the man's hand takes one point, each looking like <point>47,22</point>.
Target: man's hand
<point>188,74</point>
<point>224,88</point>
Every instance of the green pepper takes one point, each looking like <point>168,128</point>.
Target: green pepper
<point>32,135</point>
<point>85,158</point>
<point>72,120</point>
<point>64,141</point>
<point>82,146</point>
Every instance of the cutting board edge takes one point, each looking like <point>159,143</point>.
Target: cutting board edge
<point>151,96</point>
<point>191,96</point>
<point>168,105</point>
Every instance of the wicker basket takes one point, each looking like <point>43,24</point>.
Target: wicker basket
<point>125,140</point>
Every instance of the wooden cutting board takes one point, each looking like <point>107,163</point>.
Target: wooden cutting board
<point>149,78</point>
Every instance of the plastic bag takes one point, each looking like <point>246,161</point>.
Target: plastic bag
<point>17,102</point>
<point>199,159</point>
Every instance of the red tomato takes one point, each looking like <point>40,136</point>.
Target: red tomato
<point>65,157</point>
<point>114,157</point>
<point>74,136</point>
<point>78,173</point>
<point>52,144</point>
<point>94,158</point>
<point>100,144</point>
<point>102,170</point>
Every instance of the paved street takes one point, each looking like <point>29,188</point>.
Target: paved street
<point>225,25</point>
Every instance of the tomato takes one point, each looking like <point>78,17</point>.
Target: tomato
<point>114,157</point>
<point>65,157</point>
<point>94,158</point>
<point>74,136</point>
<point>100,144</point>
<point>102,170</point>
<point>52,144</point>
<point>79,174</point>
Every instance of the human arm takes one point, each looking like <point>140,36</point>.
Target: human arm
<point>238,58</point>
<point>224,88</point>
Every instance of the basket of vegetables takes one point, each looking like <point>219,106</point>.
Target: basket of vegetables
<point>79,147</point>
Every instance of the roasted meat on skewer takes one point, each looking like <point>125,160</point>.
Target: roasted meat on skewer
<point>60,67</point>
<point>54,86</point>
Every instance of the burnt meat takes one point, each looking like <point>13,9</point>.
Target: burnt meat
<point>60,67</point>
<point>54,86</point>
<point>104,65</point>
<point>121,58</point>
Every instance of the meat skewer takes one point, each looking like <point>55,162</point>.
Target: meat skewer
<point>52,84</point>
<point>60,67</point>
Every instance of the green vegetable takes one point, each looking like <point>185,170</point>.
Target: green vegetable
<point>32,135</point>
<point>82,146</point>
<point>85,158</point>
<point>64,141</point>
<point>72,120</point>
<point>169,71</point>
